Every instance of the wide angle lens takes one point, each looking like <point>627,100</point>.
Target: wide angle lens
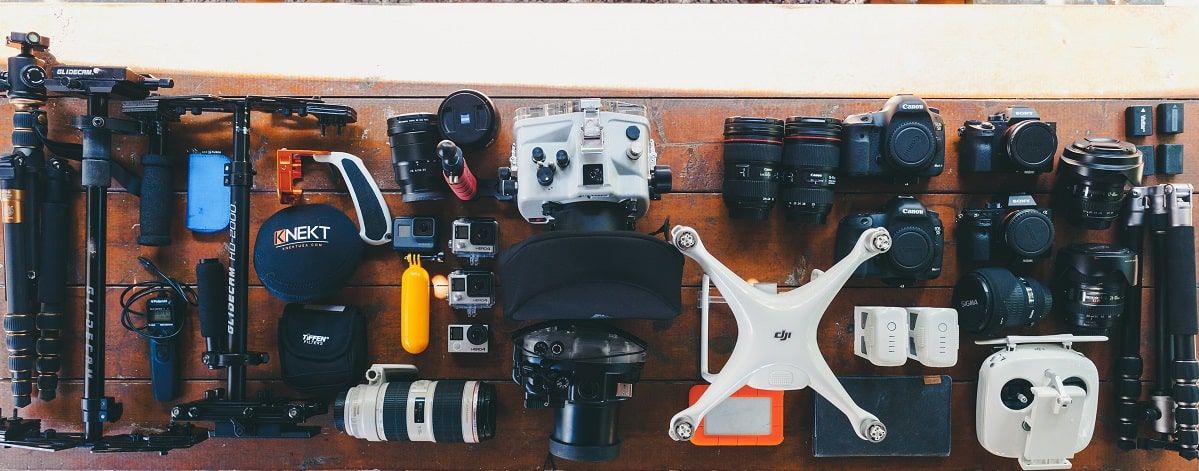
<point>811,155</point>
<point>753,148</point>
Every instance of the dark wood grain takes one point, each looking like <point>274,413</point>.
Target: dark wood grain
<point>688,134</point>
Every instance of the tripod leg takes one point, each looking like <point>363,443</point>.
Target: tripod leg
<point>53,280</point>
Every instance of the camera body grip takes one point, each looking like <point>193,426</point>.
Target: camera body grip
<point>155,208</point>
<point>211,287</point>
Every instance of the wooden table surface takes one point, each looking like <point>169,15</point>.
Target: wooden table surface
<point>687,129</point>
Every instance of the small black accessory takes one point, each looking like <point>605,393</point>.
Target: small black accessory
<point>992,299</point>
<point>1171,157</point>
<point>469,338</point>
<point>753,149</point>
<point>1169,117</point>
<point>584,371</point>
<point>1149,160</point>
<point>904,140</point>
<point>1092,282</point>
<point>811,157</point>
<point>1008,228</point>
<point>591,275</point>
<point>917,409</point>
<point>1094,177</point>
<point>468,118</point>
<point>1138,121</point>
<point>165,315</point>
<point>414,234</point>
<point>321,348</point>
<point>1015,140</point>
<point>917,237</point>
<point>306,252</point>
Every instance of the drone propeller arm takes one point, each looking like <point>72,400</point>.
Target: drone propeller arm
<point>872,242</point>
<point>727,382</point>
<point>734,289</point>
<point>821,379</point>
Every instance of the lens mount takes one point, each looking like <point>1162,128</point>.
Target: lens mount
<point>1028,233</point>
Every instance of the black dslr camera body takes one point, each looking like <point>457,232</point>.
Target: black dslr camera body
<point>1015,140</point>
<point>918,240</point>
<point>1007,229</point>
<point>905,139</point>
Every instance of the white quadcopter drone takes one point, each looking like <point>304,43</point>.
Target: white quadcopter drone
<point>776,341</point>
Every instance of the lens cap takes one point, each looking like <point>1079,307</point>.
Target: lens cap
<point>813,128</point>
<point>911,145</point>
<point>911,249</point>
<point>306,252</point>
<point>1031,143</point>
<point>749,127</point>
<point>1029,233</point>
<point>469,119</point>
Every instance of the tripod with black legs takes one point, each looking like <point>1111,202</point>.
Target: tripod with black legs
<point>223,295</point>
<point>1165,212</point>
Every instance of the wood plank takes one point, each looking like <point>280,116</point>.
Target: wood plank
<point>687,132</point>
<point>522,435</point>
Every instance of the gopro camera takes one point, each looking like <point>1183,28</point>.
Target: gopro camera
<point>475,238</point>
<point>469,338</point>
<point>471,290</point>
<point>414,234</point>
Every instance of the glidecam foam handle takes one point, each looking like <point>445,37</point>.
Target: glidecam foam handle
<point>155,206</point>
<point>211,286</point>
<point>374,219</point>
<point>1180,280</point>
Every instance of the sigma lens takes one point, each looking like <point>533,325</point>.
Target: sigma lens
<point>1092,281</point>
<point>446,411</point>
<point>992,299</point>
<point>753,148</point>
<point>413,138</point>
<point>1092,178</point>
<point>811,153</point>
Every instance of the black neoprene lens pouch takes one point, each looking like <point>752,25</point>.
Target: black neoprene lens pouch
<point>306,252</point>
<point>322,349</point>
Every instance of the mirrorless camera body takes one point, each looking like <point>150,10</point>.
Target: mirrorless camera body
<point>1015,140</point>
<point>1010,228</point>
<point>575,159</point>
<point>918,241</point>
<point>905,139</point>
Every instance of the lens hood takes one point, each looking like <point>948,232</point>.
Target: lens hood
<point>1102,158</point>
<point>743,127</point>
<point>1098,261</point>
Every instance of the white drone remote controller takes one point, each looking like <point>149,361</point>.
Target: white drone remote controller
<point>776,342</point>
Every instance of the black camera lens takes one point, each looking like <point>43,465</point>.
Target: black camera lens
<point>1028,233</point>
<point>413,138</point>
<point>1092,281</point>
<point>1092,178</point>
<point>451,411</point>
<point>478,285</point>
<point>811,154</point>
<point>1031,144</point>
<point>423,227</point>
<point>753,148</point>
<point>991,299</point>
<point>482,233</point>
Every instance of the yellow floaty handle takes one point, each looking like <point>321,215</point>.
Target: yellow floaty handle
<point>414,307</point>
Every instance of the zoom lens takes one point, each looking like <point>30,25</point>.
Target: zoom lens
<point>441,411</point>
<point>811,154</point>
<point>413,138</point>
<point>753,148</point>
<point>1092,281</point>
<point>1093,176</point>
<point>991,299</point>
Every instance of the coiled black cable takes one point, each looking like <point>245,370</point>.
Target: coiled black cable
<point>163,285</point>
